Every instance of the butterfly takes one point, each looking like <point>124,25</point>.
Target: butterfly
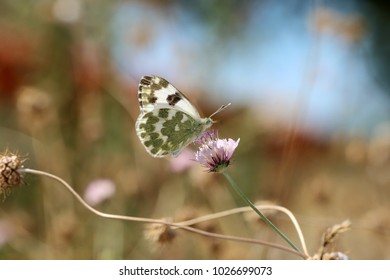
<point>168,122</point>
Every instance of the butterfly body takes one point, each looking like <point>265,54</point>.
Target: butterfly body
<point>168,122</point>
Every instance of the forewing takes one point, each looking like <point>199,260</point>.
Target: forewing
<point>156,92</point>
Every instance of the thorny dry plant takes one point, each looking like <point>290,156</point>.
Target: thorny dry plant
<point>9,172</point>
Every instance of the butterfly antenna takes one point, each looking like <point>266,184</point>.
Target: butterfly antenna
<point>220,109</point>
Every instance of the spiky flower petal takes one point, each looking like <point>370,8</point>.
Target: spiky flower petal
<point>215,154</point>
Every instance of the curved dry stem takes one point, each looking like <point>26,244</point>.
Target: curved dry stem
<point>159,221</point>
<point>248,209</point>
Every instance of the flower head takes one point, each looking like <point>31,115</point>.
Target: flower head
<point>214,153</point>
<point>9,172</point>
<point>160,234</point>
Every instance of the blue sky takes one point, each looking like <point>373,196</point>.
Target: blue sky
<point>276,63</point>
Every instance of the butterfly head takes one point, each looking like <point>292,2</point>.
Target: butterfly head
<point>207,123</point>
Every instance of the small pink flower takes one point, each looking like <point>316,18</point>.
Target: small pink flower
<point>215,154</point>
<point>99,190</point>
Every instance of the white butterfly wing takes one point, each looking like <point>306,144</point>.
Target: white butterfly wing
<point>165,131</point>
<point>168,121</point>
<point>154,91</point>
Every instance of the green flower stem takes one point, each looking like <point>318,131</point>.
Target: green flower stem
<point>265,219</point>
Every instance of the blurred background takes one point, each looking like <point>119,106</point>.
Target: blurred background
<point>309,86</point>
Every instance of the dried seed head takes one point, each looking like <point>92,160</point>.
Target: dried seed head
<point>159,233</point>
<point>331,233</point>
<point>9,175</point>
<point>328,238</point>
<point>35,109</point>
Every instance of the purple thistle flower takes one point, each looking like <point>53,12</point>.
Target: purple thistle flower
<point>215,154</point>
<point>207,136</point>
